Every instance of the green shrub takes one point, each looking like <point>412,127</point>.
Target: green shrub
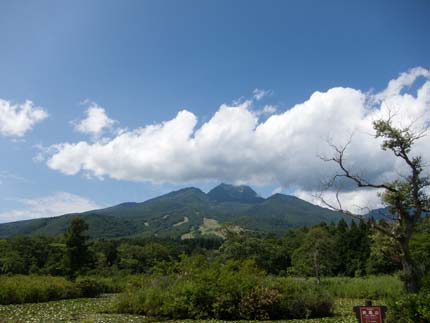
<point>112,284</point>
<point>410,308</point>
<point>89,287</point>
<point>305,299</point>
<point>32,289</point>
<point>234,290</point>
<point>259,303</point>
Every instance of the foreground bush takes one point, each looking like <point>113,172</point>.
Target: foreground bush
<point>89,288</point>
<point>112,284</point>
<point>410,308</point>
<point>33,289</point>
<point>235,290</point>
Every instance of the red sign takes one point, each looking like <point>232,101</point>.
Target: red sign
<point>370,314</point>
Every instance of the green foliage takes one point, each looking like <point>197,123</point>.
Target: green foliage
<point>259,303</point>
<point>234,290</point>
<point>410,308</point>
<point>352,248</point>
<point>420,246</point>
<point>89,287</point>
<point>108,284</point>
<point>31,289</point>
<point>46,255</point>
<point>344,250</point>
<point>315,257</point>
<point>77,255</point>
<point>138,259</point>
<point>106,253</point>
<point>25,255</point>
<point>384,253</point>
<point>269,254</point>
<point>304,299</point>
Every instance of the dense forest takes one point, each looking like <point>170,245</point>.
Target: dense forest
<point>340,249</point>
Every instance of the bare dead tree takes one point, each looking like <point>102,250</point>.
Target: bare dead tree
<point>405,197</point>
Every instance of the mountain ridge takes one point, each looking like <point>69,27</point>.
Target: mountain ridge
<point>186,213</point>
<point>230,193</point>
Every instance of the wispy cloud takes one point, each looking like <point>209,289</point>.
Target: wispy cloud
<point>260,94</point>
<point>6,176</point>
<point>48,206</point>
<point>277,190</point>
<point>266,110</point>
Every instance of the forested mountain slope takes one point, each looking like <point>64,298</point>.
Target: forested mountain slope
<point>186,213</point>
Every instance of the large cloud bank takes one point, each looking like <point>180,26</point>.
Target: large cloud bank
<point>236,146</point>
<point>17,119</point>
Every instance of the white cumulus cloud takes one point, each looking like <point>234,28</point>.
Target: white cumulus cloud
<point>357,201</point>
<point>95,121</point>
<point>284,149</point>
<point>48,206</point>
<point>17,119</point>
<point>405,80</point>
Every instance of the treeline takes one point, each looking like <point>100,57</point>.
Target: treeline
<point>340,249</point>
<point>72,254</point>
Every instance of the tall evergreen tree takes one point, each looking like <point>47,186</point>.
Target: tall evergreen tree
<point>341,247</point>
<point>77,255</point>
<point>364,247</point>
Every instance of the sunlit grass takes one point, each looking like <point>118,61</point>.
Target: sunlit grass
<point>371,287</point>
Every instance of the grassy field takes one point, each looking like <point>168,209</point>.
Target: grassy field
<point>94,310</point>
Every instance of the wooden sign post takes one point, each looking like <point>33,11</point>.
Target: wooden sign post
<point>369,313</point>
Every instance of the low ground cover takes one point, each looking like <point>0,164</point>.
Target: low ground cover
<point>93,310</point>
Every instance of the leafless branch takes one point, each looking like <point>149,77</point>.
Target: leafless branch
<point>339,158</point>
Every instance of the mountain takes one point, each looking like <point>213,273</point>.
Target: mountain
<point>186,213</point>
<point>386,215</point>
<point>280,211</point>
<point>230,193</point>
<point>380,214</point>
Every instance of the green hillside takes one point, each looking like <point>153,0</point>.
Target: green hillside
<point>280,212</point>
<point>186,213</point>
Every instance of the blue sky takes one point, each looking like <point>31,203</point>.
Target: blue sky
<point>144,61</point>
